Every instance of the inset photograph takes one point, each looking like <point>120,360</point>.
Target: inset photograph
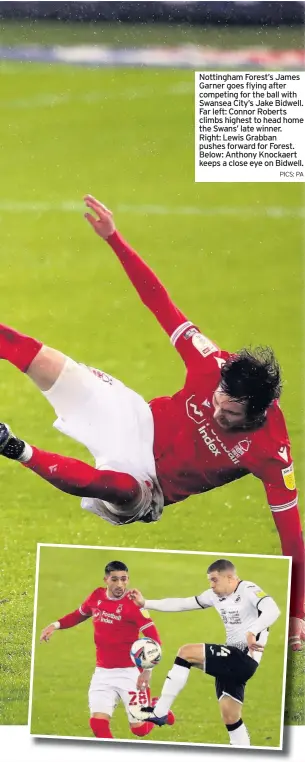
<point>175,647</point>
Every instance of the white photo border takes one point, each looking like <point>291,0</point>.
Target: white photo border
<point>174,552</point>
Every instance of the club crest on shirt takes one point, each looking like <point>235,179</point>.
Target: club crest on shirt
<point>203,345</point>
<point>288,476</point>
<point>241,448</point>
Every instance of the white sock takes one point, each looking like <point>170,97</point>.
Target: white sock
<point>239,735</point>
<point>175,681</point>
<point>27,453</point>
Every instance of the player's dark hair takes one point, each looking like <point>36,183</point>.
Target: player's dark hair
<point>252,376</point>
<point>115,566</point>
<point>221,565</point>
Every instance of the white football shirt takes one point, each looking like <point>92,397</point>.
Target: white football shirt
<point>238,611</point>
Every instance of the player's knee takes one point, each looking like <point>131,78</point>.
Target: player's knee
<point>46,367</point>
<point>230,713</point>
<point>141,730</point>
<point>184,652</point>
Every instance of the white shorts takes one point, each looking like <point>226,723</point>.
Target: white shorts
<point>109,686</point>
<point>115,424</point>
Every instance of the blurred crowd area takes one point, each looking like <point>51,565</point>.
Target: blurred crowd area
<point>206,30</point>
<point>136,23</point>
<point>167,12</point>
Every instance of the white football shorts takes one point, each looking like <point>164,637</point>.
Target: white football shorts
<point>116,425</point>
<point>109,686</point>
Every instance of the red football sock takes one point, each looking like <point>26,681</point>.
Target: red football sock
<point>142,730</point>
<point>18,349</point>
<point>100,728</point>
<point>78,478</point>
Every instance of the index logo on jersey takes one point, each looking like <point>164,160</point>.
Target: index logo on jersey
<point>106,616</point>
<point>209,436</point>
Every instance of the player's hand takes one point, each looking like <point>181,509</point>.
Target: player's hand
<point>296,633</point>
<point>144,680</point>
<point>252,642</point>
<point>137,597</point>
<point>103,222</point>
<point>47,633</point>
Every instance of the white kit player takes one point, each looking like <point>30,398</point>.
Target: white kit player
<point>117,623</point>
<point>247,613</point>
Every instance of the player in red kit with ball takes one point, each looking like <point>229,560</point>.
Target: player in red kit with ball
<point>224,424</point>
<point>117,623</point>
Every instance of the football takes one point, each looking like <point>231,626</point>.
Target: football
<point>145,653</point>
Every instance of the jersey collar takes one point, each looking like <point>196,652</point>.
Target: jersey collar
<point>109,597</point>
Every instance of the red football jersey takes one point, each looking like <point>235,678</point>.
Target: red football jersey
<point>194,454</point>
<point>117,624</point>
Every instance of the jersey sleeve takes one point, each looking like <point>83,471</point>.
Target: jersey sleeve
<point>173,604</point>
<point>196,349</point>
<point>185,337</point>
<point>86,607</point>
<point>148,286</point>
<point>205,599</point>
<point>146,625</point>
<point>254,594</point>
<point>268,613</point>
<point>277,475</point>
<point>77,616</point>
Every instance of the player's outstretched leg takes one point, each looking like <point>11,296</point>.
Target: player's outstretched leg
<point>144,728</point>
<point>68,474</point>
<point>188,656</point>
<point>42,364</point>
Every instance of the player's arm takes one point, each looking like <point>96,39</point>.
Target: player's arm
<point>151,291</point>
<point>279,483</point>
<point>148,629</point>
<point>171,604</point>
<point>269,612</point>
<point>183,334</point>
<point>146,626</point>
<point>69,620</point>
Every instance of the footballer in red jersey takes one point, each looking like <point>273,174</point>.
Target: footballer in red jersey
<point>117,623</point>
<point>224,424</point>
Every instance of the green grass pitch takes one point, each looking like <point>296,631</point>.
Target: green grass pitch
<point>66,663</point>
<point>231,256</point>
